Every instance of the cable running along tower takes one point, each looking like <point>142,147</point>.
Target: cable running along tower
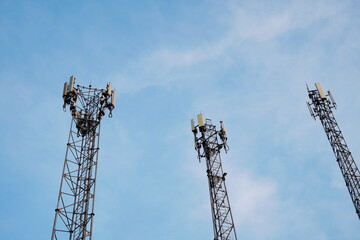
<point>74,213</point>
<point>321,107</point>
<point>208,147</point>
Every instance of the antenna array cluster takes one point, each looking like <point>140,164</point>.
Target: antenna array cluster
<point>107,99</point>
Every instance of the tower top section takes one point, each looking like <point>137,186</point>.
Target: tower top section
<point>208,131</point>
<point>87,101</point>
<point>319,98</point>
<point>88,105</point>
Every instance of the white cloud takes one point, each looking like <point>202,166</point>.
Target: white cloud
<point>263,24</point>
<point>254,203</point>
<point>165,65</point>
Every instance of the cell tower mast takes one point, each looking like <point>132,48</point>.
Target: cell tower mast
<point>208,146</point>
<point>74,213</point>
<point>321,106</point>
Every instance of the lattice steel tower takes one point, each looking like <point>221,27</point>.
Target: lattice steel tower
<point>208,146</point>
<point>74,213</point>
<point>321,106</point>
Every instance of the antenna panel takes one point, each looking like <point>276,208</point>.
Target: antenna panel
<point>321,91</point>
<point>72,83</point>
<point>109,87</point>
<point>65,90</point>
<point>222,126</point>
<point>192,124</point>
<point>113,97</point>
<point>332,99</point>
<point>200,119</point>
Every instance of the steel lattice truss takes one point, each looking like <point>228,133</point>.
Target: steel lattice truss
<point>74,213</point>
<point>208,147</point>
<point>321,107</point>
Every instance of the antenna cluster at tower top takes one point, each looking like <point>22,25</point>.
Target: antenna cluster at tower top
<point>71,93</point>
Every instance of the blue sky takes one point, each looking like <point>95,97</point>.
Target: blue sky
<point>244,62</point>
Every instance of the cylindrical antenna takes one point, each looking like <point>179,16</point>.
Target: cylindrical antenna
<point>72,83</point>
<point>200,119</point>
<point>321,91</point>
<point>113,98</point>
<point>65,90</point>
<point>192,125</point>
<point>109,88</point>
<point>332,99</point>
<point>222,126</point>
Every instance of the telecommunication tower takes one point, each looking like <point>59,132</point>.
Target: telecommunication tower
<point>74,213</point>
<point>208,146</point>
<point>321,106</point>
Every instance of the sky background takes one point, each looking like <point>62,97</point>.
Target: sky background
<point>243,62</point>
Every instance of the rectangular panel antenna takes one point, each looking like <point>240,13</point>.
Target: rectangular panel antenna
<point>72,83</point>
<point>113,98</point>
<point>332,99</point>
<point>65,90</point>
<point>321,91</point>
<point>192,124</point>
<point>109,87</point>
<point>200,119</point>
<point>222,126</point>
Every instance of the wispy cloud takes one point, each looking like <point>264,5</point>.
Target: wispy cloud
<point>171,64</point>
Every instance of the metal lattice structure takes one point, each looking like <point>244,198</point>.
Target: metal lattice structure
<point>321,107</point>
<point>74,213</point>
<point>208,146</point>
